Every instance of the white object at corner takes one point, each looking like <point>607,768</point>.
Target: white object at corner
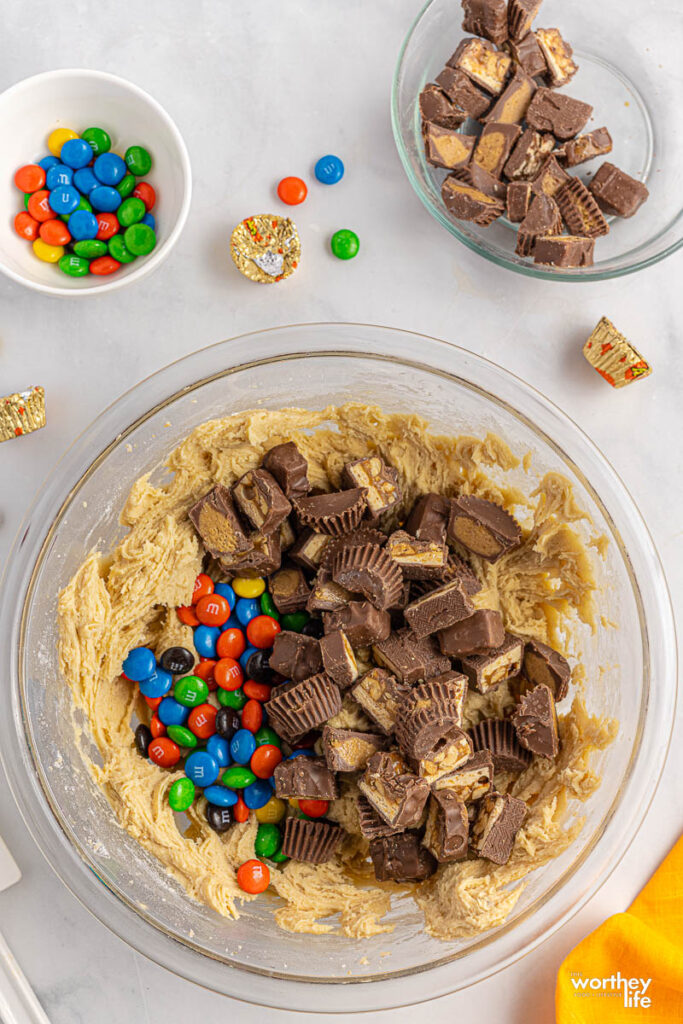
<point>18,1002</point>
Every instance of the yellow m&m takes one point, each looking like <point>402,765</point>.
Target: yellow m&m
<point>48,253</point>
<point>57,138</point>
<point>244,587</point>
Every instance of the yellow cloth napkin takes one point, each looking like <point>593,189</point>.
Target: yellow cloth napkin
<point>630,969</point>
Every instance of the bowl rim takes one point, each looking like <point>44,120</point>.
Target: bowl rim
<point>351,994</point>
<point>533,270</point>
<point>155,258</point>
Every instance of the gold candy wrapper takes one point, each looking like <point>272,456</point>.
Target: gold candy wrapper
<point>22,413</point>
<point>266,248</point>
<point>615,359</point>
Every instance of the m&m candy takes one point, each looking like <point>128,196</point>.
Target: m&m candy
<point>345,244</point>
<point>292,191</point>
<point>253,877</point>
<point>329,169</point>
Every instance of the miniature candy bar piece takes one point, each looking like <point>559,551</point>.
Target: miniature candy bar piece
<point>304,707</point>
<point>339,661</point>
<point>550,179</point>
<point>456,569</point>
<point>379,695</point>
<point>370,824</point>
<point>580,211</point>
<point>447,148</point>
<point>486,671</point>
<point>495,829</point>
<point>530,153</point>
<point>470,782</point>
<point>265,248</point>
<point>308,549</point>
<point>479,633</point>
<point>382,490</point>
<point>554,112</point>
<point>511,106</point>
<point>521,14</point>
<point>217,523</point>
<point>527,53</point>
<point>289,590</point>
<point>535,722</point>
<point>369,570</point>
<point>418,559</point>
<point>428,727</point>
<point>312,841</point>
<point>258,496</point>
<point>486,66</point>
<point>393,790</point>
<point>296,656</point>
<point>585,147</point>
<point>358,539</point>
<point>349,751</point>
<point>326,595</point>
<point>480,179</point>
<point>263,557</point>
<point>286,463</point>
<point>305,777</point>
<point>615,358</point>
<point>482,527</point>
<point>429,518</point>
<point>487,18</point>
<point>462,93</point>
<point>401,858</point>
<point>564,251</point>
<point>558,56</point>
<point>22,413</point>
<point>335,513</point>
<point>438,609</point>
<point>468,203</point>
<point>286,535</point>
<point>498,737</point>
<point>410,658</point>
<point>542,219</point>
<point>617,192</point>
<point>448,827</point>
<point>436,108</point>
<point>518,198</point>
<point>494,145</point>
<point>362,623</point>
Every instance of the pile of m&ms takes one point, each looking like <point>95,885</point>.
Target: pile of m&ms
<point>328,170</point>
<point>210,718</point>
<point>85,209</point>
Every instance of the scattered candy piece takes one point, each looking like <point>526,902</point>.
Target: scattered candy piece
<point>614,358</point>
<point>290,190</point>
<point>329,169</point>
<point>22,413</point>
<point>345,244</point>
<point>265,248</point>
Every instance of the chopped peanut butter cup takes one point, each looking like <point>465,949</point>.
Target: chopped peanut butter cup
<point>483,527</point>
<point>312,841</point>
<point>335,513</point>
<point>305,706</point>
<point>448,827</point>
<point>498,736</point>
<point>401,858</point>
<point>370,571</point>
<point>535,722</point>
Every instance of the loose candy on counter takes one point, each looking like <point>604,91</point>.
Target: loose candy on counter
<point>345,244</point>
<point>265,248</point>
<point>613,356</point>
<point>329,169</point>
<point>290,190</point>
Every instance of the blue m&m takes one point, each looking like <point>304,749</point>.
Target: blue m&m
<point>140,664</point>
<point>329,169</point>
<point>202,768</point>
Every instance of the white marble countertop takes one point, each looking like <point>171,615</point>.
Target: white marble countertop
<point>261,90</point>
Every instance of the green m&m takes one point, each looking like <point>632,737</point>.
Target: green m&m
<point>126,185</point>
<point>91,248</point>
<point>119,251</point>
<point>181,735</point>
<point>345,244</point>
<point>139,238</point>
<point>268,606</point>
<point>267,736</point>
<point>238,777</point>
<point>268,840</point>
<point>131,211</point>
<point>98,139</point>
<point>295,621</point>
<point>232,698</point>
<point>181,794</point>
<point>190,691</point>
<point>138,160</point>
<point>74,266</point>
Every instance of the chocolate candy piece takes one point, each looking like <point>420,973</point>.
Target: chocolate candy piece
<point>550,179</point>
<point>217,523</point>
<point>468,203</point>
<point>326,595</point>
<point>447,148</point>
<point>358,539</point>
<point>617,192</point>
<point>487,18</point>
<point>177,660</point>
<point>448,827</point>
<point>614,358</point>
<point>511,106</point>
<point>470,782</point>
<point>335,513</point>
<point>312,841</point>
<point>362,623</point>
<point>260,500</point>
<point>370,824</point>
<point>480,179</point>
<point>308,549</point>
<point>429,518</point>
<point>401,858</point>
<point>543,218</point>
<point>303,707</point>
<point>339,661</point>
<point>370,571</point>
<point>535,722</point>
<point>554,112</point>
<point>580,211</point>
<point>349,751</point>
<point>481,62</point>
<point>428,727</point>
<point>585,147</point>
<point>479,633</point>
<point>418,559</point>
<point>410,658</point>
<point>379,695</point>
<point>393,790</point>
<point>482,527</point>
<point>521,14</point>
<point>263,558</point>
<point>542,665</point>
<point>564,251</point>
<point>498,737</point>
<point>464,95</point>
<point>438,609</point>
<point>495,829</point>
<point>518,199</point>
<point>436,108</point>
<point>529,155</point>
<point>286,535</point>
<point>456,569</point>
<point>558,56</point>
<point>527,53</point>
<point>305,777</point>
<point>286,463</point>
<point>296,656</point>
<point>382,490</point>
<point>494,145</point>
<point>289,590</point>
<point>486,671</point>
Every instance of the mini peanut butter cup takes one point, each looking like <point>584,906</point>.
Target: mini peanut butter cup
<point>498,735</point>
<point>357,539</point>
<point>304,707</point>
<point>369,570</point>
<point>370,824</point>
<point>312,841</point>
<point>336,513</point>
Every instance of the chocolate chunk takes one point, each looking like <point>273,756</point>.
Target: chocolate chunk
<point>286,535</point>
<point>464,95</point>
<point>580,211</point>
<point>448,827</point>
<point>289,590</point>
<point>495,829</point>
<point>418,559</point>
<point>305,777</point>
<point>286,463</point>
<point>482,527</point>
<point>479,633</point>
<point>535,722</point>
<point>304,707</point>
<point>436,108</point>
<point>401,858</point>
<point>529,155</point>
<point>494,146</point>
<point>349,751</point>
<point>382,490</point>
<point>554,112</point>
<point>358,539</point>
<point>498,736</point>
<point>339,661</point>
<point>263,557</point>
<point>564,251</point>
<point>296,656</point>
<point>543,218</point>
<point>585,147</point>
<point>335,513</point>
<point>617,192</point>
<point>543,665</point>
<point>486,66</point>
<point>259,498</point>
<point>512,104</point>
<point>217,523</point>
<point>486,671</point>
<point>468,203</point>
<point>370,571</point>
<point>447,148</point>
<point>428,727</point>
<point>370,824</point>
<point>429,518</point>
<point>393,790</point>
<point>410,658</point>
<point>456,569</point>
<point>312,841</point>
<point>470,782</point>
<point>550,179</point>
<point>527,53</point>
<point>521,14</point>
<point>438,609</point>
<point>558,56</point>
<point>481,180</point>
<point>487,18</point>
<point>379,695</point>
<point>308,549</point>
<point>326,595</point>
<point>362,623</point>
<point>518,199</point>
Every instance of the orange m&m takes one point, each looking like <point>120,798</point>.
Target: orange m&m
<point>292,191</point>
<point>231,643</point>
<point>164,752</point>
<point>38,206</point>
<point>203,586</point>
<point>252,716</point>
<point>55,232</point>
<point>265,760</point>
<point>212,610</point>
<point>30,178</point>
<point>253,876</point>
<point>228,674</point>
<point>314,808</point>
<point>186,615</point>
<point>202,721</point>
<point>26,226</point>
<point>262,630</point>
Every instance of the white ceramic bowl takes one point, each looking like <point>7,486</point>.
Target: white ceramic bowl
<point>78,99</point>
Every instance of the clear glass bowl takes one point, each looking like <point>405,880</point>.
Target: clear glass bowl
<point>78,508</point>
<point>628,71</point>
